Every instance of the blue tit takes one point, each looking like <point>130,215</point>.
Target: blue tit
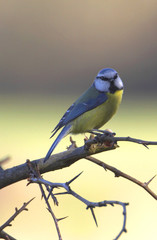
<point>93,108</point>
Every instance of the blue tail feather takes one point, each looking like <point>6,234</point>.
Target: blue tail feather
<point>62,134</point>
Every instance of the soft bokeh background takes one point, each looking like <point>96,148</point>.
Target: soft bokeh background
<point>50,53</point>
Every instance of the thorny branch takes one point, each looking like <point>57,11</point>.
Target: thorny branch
<point>101,143</point>
<point>34,173</point>
<point>8,222</point>
<point>17,212</point>
<point>103,136</point>
<point>90,205</point>
<point>117,172</point>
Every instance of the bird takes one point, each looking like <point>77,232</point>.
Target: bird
<point>93,108</point>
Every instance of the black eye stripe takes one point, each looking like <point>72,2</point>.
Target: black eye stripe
<point>105,78</point>
<point>102,78</point>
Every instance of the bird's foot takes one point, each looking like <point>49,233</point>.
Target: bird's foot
<point>103,139</point>
<point>98,132</point>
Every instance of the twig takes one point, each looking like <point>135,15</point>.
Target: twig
<point>119,173</point>
<point>111,138</point>
<point>51,212</point>
<point>90,205</point>
<point>17,212</point>
<point>135,140</point>
<point>34,172</point>
<point>116,171</point>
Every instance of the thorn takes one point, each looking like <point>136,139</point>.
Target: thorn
<point>4,160</point>
<point>42,195</point>
<point>74,178</point>
<point>147,183</point>
<point>48,209</point>
<point>93,214</point>
<point>59,219</point>
<point>61,193</point>
<point>31,200</point>
<point>145,145</point>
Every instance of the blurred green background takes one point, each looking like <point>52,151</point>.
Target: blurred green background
<point>50,53</point>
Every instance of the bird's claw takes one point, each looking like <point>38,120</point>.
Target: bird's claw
<point>98,132</point>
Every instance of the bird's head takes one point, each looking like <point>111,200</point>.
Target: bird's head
<point>108,80</point>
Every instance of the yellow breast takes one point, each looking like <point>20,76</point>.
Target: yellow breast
<point>98,116</point>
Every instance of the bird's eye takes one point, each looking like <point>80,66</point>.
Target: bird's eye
<point>116,75</point>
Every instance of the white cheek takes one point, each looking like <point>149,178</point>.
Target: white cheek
<point>118,83</point>
<point>102,86</point>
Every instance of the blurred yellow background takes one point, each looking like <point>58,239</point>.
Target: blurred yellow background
<point>50,53</point>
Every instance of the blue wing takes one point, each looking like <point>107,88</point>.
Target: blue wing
<point>89,100</point>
